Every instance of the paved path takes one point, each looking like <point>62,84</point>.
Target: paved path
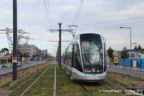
<point>6,70</point>
<point>127,71</point>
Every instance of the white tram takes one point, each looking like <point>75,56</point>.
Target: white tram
<point>85,58</point>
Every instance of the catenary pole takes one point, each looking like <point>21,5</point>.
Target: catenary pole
<point>14,40</point>
<point>60,45</point>
<point>60,30</point>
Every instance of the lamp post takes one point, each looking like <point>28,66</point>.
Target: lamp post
<point>135,43</point>
<point>130,35</point>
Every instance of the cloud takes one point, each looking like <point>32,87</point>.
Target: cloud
<point>126,14</point>
<point>99,16</point>
<point>27,1</point>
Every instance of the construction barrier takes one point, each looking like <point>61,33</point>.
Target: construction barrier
<point>133,62</point>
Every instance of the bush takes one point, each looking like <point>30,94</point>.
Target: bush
<point>4,66</point>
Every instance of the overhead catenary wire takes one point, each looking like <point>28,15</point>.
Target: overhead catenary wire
<point>78,12</point>
<point>47,11</point>
<point>77,16</point>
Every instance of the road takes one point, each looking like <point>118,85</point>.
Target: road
<point>6,70</point>
<point>114,69</point>
<point>127,71</point>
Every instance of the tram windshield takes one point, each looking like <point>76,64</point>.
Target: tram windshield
<point>91,48</point>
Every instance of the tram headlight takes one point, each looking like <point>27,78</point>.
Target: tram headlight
<point>89,71</point>
<point>97,71</point>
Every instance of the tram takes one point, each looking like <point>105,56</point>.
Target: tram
<point>85,58</point>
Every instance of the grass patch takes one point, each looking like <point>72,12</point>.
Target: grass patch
<point>44,86</point>
<point>113,85</point>
<point>19,90</point>
<point>14,83</point>
<point>5,83</point>
<point>123,82</point>
<point>133,84</point>
<point>66,87</point>
<point>128,75</point>
<point>6,74</point>
<point>98,89</point>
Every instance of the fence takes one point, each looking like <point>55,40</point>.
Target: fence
<point>129,62</point>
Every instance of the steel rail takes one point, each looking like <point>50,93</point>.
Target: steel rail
<point>54,86</point>
<point>89,93</point>
<point>110,88</point>
<point>29,87</point>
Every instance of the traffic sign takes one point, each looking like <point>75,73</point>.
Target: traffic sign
<point>14,59</point>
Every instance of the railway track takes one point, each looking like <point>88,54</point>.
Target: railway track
<point>54,86</point>
<point>38,78</point>
<point>98,83</point>
<point>108,87</point>
<point>89,93</point>
<point>87,89</point>
<point>30,86</point>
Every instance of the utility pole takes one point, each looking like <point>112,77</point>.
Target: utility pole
<point>14,61</point>
<point>60,30</point>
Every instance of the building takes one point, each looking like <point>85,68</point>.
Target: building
<point>4,57</point>
<point>136,54</point>
<point>116,53</point>
<point>32,51</point>
<point>131,53</point>
<point>44,52</point>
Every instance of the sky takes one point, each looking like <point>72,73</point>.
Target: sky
<point>93,16</point>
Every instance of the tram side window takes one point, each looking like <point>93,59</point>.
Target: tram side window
<point>69,56</point>
<point>66,57</point>
<point>63,58</point>
<point>105,60</point>
<point>77,60</point>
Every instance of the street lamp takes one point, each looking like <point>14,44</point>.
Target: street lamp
<point>134,43</point>
<point>130,35</point>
